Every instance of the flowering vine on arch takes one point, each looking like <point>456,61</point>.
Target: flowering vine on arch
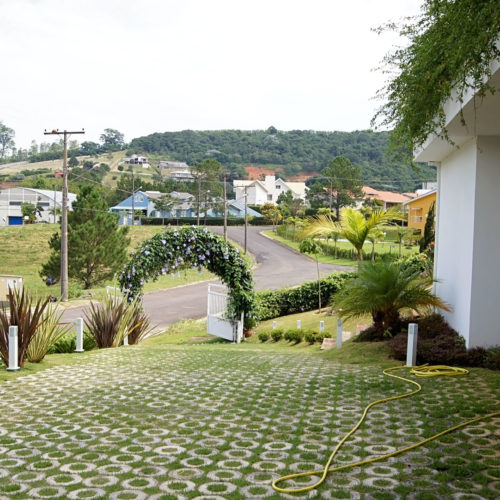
<point>175,249</point>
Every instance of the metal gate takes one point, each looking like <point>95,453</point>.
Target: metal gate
<point>217,322</point>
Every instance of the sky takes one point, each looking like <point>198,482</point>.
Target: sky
<point>149,66</point>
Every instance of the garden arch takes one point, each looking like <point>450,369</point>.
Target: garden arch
<point>198,248</point>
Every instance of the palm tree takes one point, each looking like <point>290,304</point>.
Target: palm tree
<point>401,233</point>
<point>352,225</point>
<point>383,289</point>
<point>374,237</point>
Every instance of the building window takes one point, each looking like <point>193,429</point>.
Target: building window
<point>269,197</point>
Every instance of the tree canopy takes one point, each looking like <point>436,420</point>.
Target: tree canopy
<point>451,46</point>
<point>97,247</point>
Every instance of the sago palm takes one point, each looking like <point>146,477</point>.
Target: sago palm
<point>353,226</point>
<point>383,289</point>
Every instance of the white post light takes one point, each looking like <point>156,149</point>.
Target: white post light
<point>79,334</point>
<point>411,350</point>
<point>321,326</point>
<point>13,349</point>
<point>125,340</point>
<point>339,333</point>
<point>275,325</point>
<point>298,324</point>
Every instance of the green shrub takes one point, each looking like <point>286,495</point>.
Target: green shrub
<point>323,335</point>
<point>276,303</point>
<point>263,336</point>
<point>438,343</point>
<point>67,344</point>
<point>310,336</point>
<point>277,334</point>
<point>294,335</point>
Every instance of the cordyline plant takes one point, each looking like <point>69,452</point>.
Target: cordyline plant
<point>26,316</point>
<point>114,319</point>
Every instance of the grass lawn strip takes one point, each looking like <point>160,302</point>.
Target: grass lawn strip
<point>220,421</point>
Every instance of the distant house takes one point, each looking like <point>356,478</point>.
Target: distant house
<point>418,208</point>
<point>49,203</point>
<point>235,209</point>
<point>268,190</point>
<point>144,201</point>
<point>177,170</point>
<point>388,198</point>
<point>138,160</point>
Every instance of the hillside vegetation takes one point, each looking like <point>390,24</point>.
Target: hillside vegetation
<point>293,152</point>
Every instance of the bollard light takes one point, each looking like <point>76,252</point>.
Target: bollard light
<point>321,326</point>
<point>79,334</point>
<point>13,350</point>
<point>339,333</point>
<point>298,324</point>
<point>411,349</point>
<point>275,325</point>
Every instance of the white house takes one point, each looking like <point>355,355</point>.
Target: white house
<point>268,190</point>
<point>468,208</point>
<point>47,201</point>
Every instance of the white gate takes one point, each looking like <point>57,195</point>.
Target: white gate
<point>217,322</point>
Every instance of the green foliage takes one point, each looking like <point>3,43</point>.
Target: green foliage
<point>353,226</point>
<point>383,289</point>
<point>451,46</point>
<point>308,150</point>
<point>48,333</point>
<point>427,241</point>
<point>276,303</point>
<point>26,315</point>
<point>264,336</point>
<point>67,344</point>
<point>6,140</point>
<point>310,336</point>
<point>277,334</point>
<point>197,248</point>
<point>295,335</point>
<point>30,212</point>
<point>342,181</point>
<point>97,247</point>
<point>112,140</point>
<point>438,343</point>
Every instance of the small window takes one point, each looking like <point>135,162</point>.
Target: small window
<point>270,197</point>
<point>278,187</point>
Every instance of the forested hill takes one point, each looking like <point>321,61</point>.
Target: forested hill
<point>294,152</point>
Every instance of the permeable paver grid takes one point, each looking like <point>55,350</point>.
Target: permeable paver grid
<point>222,422</point>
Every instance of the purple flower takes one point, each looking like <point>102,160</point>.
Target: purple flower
<point>146,252</point>
<point>164,242</point>
<point>207,252</point>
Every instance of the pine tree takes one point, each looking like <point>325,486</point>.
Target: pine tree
<point>429,231</point>
<point>97,247</point>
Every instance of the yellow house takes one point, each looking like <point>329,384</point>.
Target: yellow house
<point>418,208</point>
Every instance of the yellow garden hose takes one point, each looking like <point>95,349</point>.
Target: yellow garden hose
<point>418,371</point>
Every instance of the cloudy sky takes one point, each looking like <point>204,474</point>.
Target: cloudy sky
<point>163,65</point>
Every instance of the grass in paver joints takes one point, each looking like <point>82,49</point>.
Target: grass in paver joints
<point>219,419</point>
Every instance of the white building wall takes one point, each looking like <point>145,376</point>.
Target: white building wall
<point>456,220</point>
<point>485,293</point>
<point>466,246</point>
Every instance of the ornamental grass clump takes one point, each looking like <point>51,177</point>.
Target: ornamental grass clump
<point>104,321</point>
<point>116,318</point>
<point>28,317</point>
<point>47,334</point>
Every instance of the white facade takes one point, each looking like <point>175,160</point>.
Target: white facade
<point>267,191</point>
<point>468,206</point>
<point>11,200</point>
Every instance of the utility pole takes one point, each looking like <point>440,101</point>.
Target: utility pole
<point>64,215</point>
<point>246,218</point>
<point>225,208</point>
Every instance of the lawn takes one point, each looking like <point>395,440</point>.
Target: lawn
<point>23,250</point>
<point>382,247</point>
<point>212,420</point>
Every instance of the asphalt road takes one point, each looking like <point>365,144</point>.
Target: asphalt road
<point>276,266</point>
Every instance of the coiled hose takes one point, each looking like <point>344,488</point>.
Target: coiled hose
<point>424,371</point>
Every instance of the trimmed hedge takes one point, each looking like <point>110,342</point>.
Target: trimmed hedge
<point>276,303</point>
<point>211,221</point>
